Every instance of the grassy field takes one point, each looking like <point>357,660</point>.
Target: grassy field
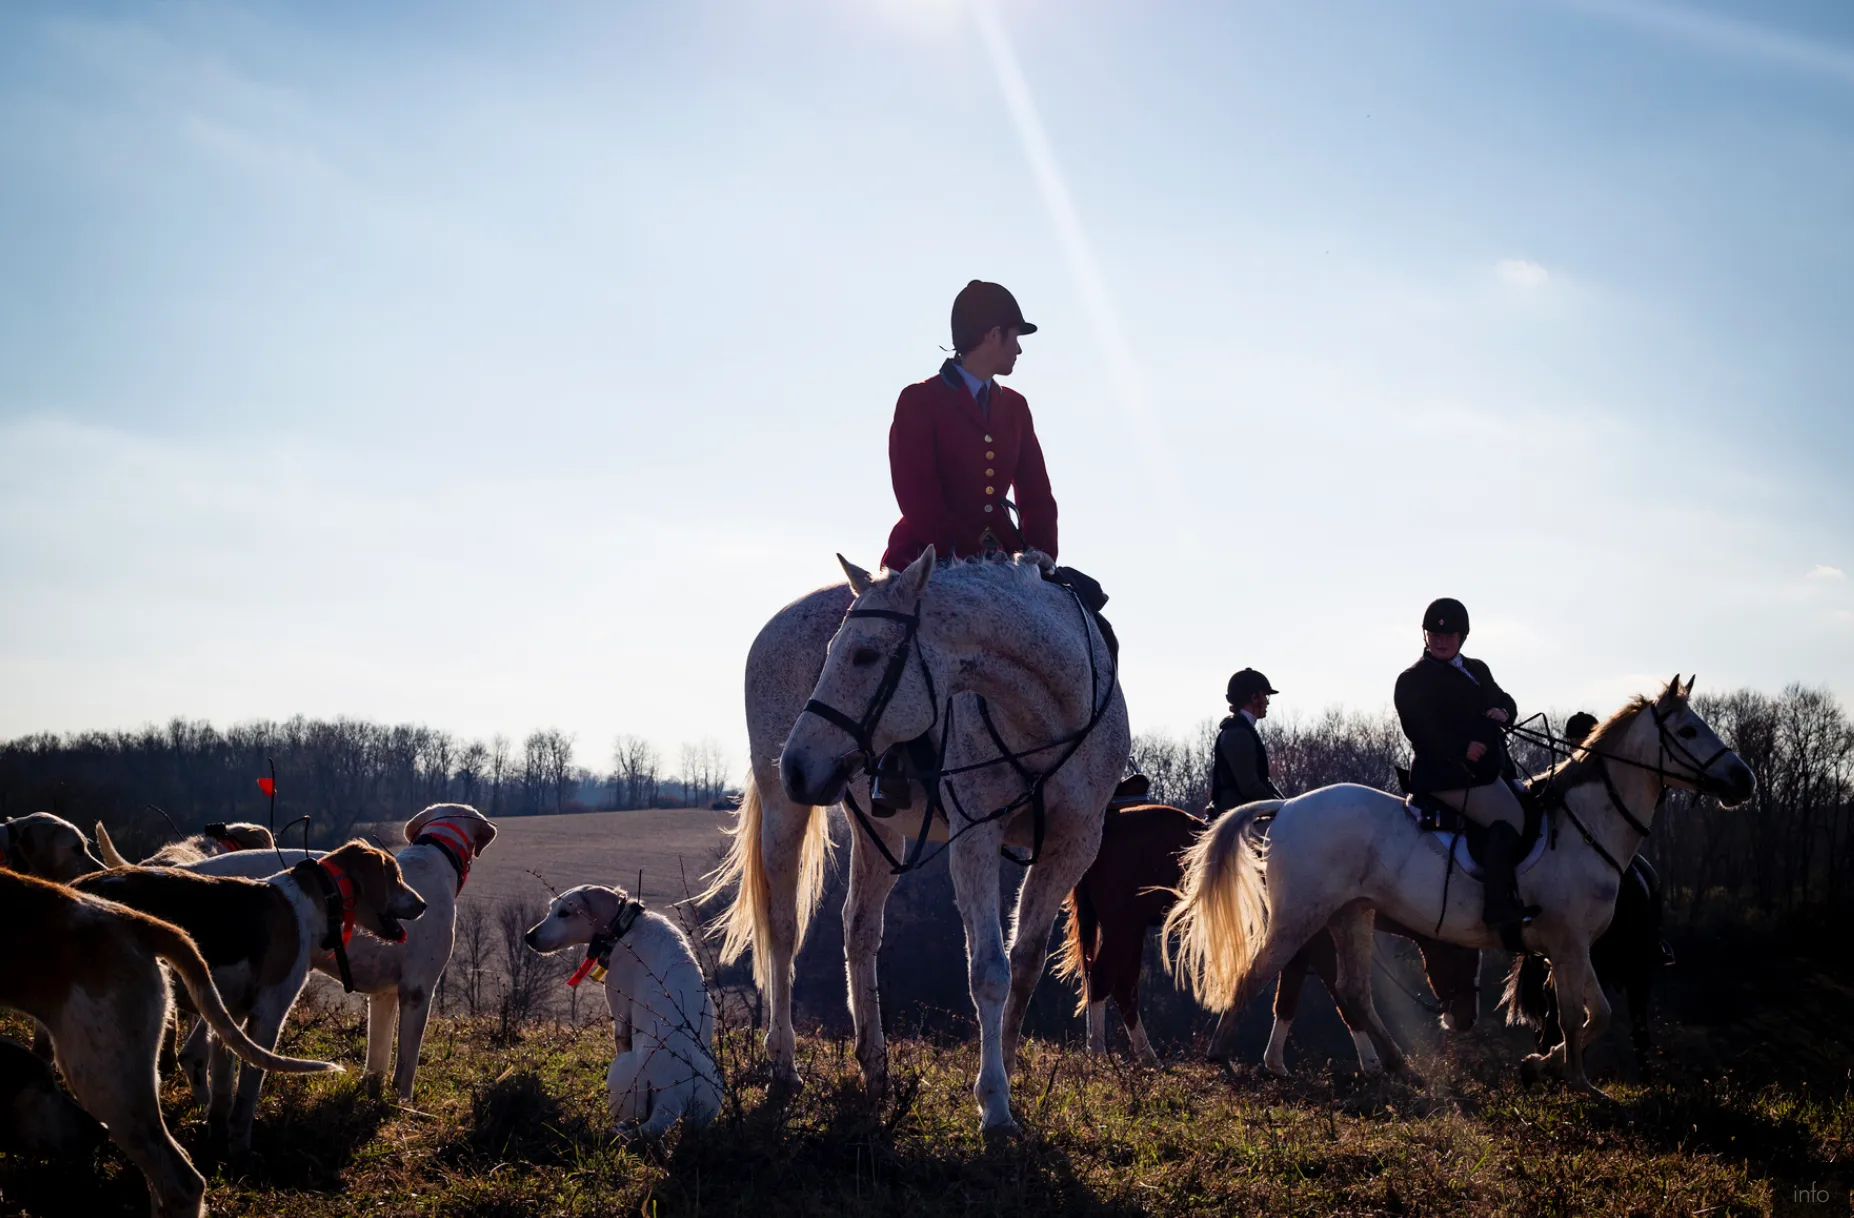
<point>521,1129</point>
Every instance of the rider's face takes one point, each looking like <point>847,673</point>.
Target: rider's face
<point>1442,646</point>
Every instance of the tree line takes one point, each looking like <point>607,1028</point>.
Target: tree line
<point>340,773</point>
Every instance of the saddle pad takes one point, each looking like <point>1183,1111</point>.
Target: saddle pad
<point>1465,861</point>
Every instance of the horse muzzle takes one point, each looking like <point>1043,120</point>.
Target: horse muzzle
<point>812,782</point>
<point>1738,786</point>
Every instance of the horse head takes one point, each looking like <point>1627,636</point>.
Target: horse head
<point>875,690</point>
<point>1688,754</point>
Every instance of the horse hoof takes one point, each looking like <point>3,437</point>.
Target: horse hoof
<point>1001,1131</point>
<point>1278,1069</point>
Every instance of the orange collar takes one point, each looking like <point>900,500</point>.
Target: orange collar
<point>345,887</point>
<point>453,843</point>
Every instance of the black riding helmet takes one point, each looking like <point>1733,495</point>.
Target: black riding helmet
<point>1446,615</point>
<point>1245,685</point>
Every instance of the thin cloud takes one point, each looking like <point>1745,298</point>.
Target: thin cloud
<point>1728,36</point>
<point>1824,572</point>
<point>1522,272</point>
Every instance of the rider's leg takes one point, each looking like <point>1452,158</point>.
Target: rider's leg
<point>1495,807</point>
<point>894,785</point>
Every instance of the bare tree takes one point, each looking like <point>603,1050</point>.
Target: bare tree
<point>635,765</point>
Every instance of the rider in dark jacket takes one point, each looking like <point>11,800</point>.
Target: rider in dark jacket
<point>1239,768</point>
<point>1453,711</point>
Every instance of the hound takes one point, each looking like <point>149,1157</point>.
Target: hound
<point>37,1116</point>
<point>662,1017</point>
<point>398,979</point>
<point>257,938</point>
<point>214,840</point>
<point>89,970</point>
<point>47,846</point>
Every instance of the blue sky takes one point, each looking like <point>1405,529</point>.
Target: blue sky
<point>498,367</point>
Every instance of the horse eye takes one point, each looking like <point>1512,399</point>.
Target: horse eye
<point>1687,733</point>
<point>563,914</point>
<point>863,657</point>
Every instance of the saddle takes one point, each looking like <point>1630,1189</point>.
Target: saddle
<point>1433,816</point>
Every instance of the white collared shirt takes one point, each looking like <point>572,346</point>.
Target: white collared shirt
<point>1244,712</point>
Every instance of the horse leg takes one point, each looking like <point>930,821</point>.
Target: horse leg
<point>1583,1010</point>
<point>1048,882</point>
<point>783,826</point>
<point>1286,935</point>
<point>1353,942</point>
<point>1454,975</point>
<point>1119,961</point>
<point>975,889</point>
<point>871,880</point>
<point>1287,1004</point>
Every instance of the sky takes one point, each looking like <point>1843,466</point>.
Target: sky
<point>497,367</point>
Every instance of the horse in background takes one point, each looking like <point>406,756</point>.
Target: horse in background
<point>1130,889</point>
<point>1252,896</point>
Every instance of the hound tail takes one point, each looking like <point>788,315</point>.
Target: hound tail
<point>107,849</point>
<point>1216,929</point>
<point>748,919</point>
<point>1074,960</point>
<point>175,947</point>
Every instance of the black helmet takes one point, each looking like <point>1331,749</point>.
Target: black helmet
<point>1579,726</point>
<point>1245,685</point>
<point>1446,615</point>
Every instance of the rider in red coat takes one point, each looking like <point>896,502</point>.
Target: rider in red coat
<point>961,443</point>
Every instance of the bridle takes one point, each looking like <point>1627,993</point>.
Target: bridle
<point>1696,773</point>
<point>862,732</point>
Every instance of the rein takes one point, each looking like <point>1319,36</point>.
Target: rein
<point>599,951</point>
<point>1695,773</point>
<point>862,731</point>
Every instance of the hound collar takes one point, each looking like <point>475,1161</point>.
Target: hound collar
<point>599,951</point>
<point>218,833</point>
<point>338,900</point>
<point>453,843</point>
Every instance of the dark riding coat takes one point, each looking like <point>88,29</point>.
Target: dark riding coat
<point>1239,773</point>
<point>1443,710</point>
<point>952,466</point>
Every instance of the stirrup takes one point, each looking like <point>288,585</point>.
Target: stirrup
<point>889,794</point>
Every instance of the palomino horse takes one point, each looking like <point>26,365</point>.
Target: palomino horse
<point>1334,854</point>
<point>915,646</point>
<point>1131,887</point>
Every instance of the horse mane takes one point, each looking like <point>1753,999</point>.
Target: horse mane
<point>1584,764</point>
<point>1028,566</point>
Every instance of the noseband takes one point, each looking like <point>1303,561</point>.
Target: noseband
<point>862,730</point>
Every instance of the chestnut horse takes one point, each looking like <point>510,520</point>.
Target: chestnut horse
<point>1129,890</point>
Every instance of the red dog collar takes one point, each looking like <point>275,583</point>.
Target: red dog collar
<point>345,887</point>
<point>456,846</point>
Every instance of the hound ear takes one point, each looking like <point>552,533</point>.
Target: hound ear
<point>914,579</point>
<point>859,578</point>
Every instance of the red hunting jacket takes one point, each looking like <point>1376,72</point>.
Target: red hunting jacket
<point>953,466</point>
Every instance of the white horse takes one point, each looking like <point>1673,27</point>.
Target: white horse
<point>919,647</point>
<point>1334,855</point>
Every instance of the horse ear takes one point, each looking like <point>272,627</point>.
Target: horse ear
<point>859,578</point>
<point>1689,690</point>
<point>1672,691</point>
<point>914,579</point>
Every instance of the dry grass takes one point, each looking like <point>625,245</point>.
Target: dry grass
<point>522,1130</point>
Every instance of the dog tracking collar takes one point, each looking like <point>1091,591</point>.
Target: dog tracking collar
<point>219,833</point>
<point>599,952</point>
<point>338,902</point>
<point>453,843</point>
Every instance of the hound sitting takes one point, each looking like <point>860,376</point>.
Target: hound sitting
<point>37,1116</point>
<point>89,970</point>
<point>662,1016</point>
<point>398,979</point>
<point>47,846</point>
<point>212,841</point>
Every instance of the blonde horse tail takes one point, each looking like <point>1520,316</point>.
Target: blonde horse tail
<point>107,849</point>
<point>1078,945</point>
<point>748,919</point>
<point>1216,929</point>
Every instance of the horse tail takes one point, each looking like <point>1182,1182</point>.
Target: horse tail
<point>748,919</point>
<point>1216,929</point>
<point>107,848</point>
<point>1079,944</point>
<point>1523,996</point>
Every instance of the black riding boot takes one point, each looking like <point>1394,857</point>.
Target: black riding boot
<point>891,791</point>
<point>1500,884</point>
